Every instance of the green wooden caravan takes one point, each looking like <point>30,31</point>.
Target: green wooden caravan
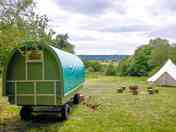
<point>42,79</point>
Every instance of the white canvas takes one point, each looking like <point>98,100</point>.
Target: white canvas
<point>165,76</point>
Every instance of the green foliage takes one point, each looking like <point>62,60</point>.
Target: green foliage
<point>172,53</point>
<point>123,66</point>
<point>102,68</point>
<point>140,62</point>
<point>19,25</point>
<point>61,42</point>
<point>160,51</point>
<point>154,70</point>
<point>146,60</point>
<point>93,66</point>
<point>3,55</point>
<point>90,69</point>
<point>111,70</point>
<point>147,57</point>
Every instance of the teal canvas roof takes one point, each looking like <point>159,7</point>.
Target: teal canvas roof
<point>73,69</point>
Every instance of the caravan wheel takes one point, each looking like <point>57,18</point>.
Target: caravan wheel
<point>65,112</point>
<point>26,113</point>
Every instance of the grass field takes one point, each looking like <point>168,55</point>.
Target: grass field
<point>114,112</point>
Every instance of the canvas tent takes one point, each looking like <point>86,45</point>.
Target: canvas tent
<point>166,76</point>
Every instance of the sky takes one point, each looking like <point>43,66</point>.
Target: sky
<point>100,27</point>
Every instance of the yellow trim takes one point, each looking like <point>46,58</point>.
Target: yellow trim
<point>15,93</point>
<point>55,94</point>
<point>33,95</point>
<point>33,80</point>
<point>35,91</point>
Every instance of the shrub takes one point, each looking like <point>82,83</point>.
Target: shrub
<point>123,66</point>
<point>154,70</point>
<point>93,66</point>
<point>111,70</point>
<point>90,69</point>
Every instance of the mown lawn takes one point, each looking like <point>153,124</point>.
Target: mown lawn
<point>113,112</point>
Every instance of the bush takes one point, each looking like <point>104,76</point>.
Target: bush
<point>93,66</point>
<point>140,63</point>
<point>154,70</point>
<point>123,66</point>
<point>111,70</point>
<point>90,69</point>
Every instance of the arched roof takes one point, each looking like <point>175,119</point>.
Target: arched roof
<point>73,69</point>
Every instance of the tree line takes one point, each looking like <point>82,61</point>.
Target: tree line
<point>20,24</point>
<point>146,60</point>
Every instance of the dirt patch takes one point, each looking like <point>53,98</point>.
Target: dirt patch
<point>87,102</point>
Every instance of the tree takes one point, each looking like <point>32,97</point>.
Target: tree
<point>14,22</point>
<point>61,42</point>
<point>172,53</point>
<point>160,51</point>
<point>123,66</point>
<point>14,25</point>
<point>19,25</point>
<point>111,70</point>
<point>148,57</point>
<point>140,63</point>
<point>93,66</point>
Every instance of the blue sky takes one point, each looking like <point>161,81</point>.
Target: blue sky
<point>111,26</point>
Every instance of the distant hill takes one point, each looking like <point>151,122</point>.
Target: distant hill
<point>102,57</point>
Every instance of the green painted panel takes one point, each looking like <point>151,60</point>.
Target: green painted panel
<point>51,66</point>
<point>16,68</point>
<point>45,100</point>
<point>25,88</point>
<point>58,87</point>
<point>59,100</point>
<point>45,88</point>
<point>27,100</point>
<point>10,88</point>
<point>34,71</point>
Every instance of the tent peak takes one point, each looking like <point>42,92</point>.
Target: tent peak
<point>167,73</point>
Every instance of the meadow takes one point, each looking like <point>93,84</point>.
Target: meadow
<point>114,112</point>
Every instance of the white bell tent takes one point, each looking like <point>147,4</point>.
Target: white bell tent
<point>166,76</point>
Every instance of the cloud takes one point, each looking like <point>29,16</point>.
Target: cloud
<point>85,7</point>
<point>110,26</point>
<point>165,31</point>
<point>163,8</point>
<point>168,5</point>
<point>90,7</point>
<point>80,37</point>
<point>126,28</point>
